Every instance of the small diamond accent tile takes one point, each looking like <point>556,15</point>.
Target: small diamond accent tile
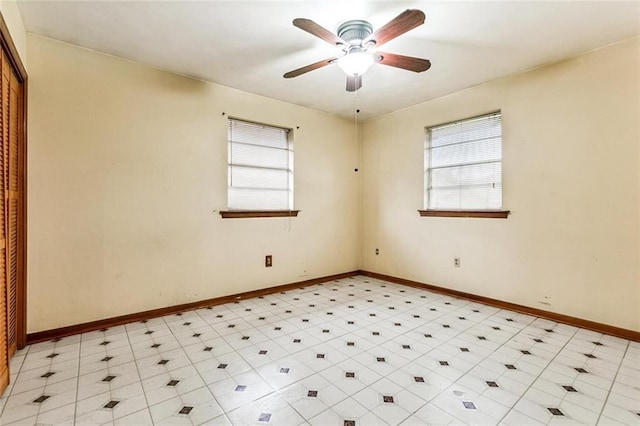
<point>597,343</point>
<point>277,328</point>
<point>106,358</point>
<point>231,326</point>
<point>148,332</point>
<point>105,343</point>
<point>482,338</point>
<point>510,319</point>
<point>569,388</point>
<point>526,352</point>
<point>406,347</point>
<point>350,322</point>
<point>240,388</point>
<point>111,404</point>
<point>538,340</point>
<point>325,331</point>
<point>222,366</point>
<point>185,410</point>
<point>580,370</point>
<point>496,328</point>
<point>387,398</point>
<point>196,335</point>
<point>592,356</point>
<point>246,337</point>
<point>510,366</point>
<point>444,363</point>
<point>464,349</point>
<point>108,378</point>
<point>548,330</point>
<point>469,405</point>
<point>155,345</point>
<point>321,356</point>
<point>351,344</point>
<point>376,333</point>
<point>418,379</point>
<point>163,361</point>
<point>350,374</point>
<point>48,374</point>
<point>380,359</point>
<point>297,340</point>
<point>53,355</point>
<point>446,326</point>
<point>42,398</point>
<point>492,384</point>
<point>428,336</point>
<point>284,371</point>
<point>312,393</point>
<point>349,423</point>
<point>208,349</point>
<point>264,417</point>
<point>262,352</point>
<point>555,411</point>
<point>173,382</point>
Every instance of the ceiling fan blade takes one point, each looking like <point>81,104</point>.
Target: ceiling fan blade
<point>312,28</point>
<point>405,62</point>
<point>310,67</point>
<point>407,20</point>
<point>354,83</point>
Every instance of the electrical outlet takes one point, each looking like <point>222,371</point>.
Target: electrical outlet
<point>377,252</point>
<point>268,261</point>
<point>456,262</point>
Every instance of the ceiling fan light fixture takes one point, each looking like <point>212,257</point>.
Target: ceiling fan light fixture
<point>356,62</point>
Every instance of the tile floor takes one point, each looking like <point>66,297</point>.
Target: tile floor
<point>357,351</point>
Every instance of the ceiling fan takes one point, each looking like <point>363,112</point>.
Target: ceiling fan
<point>359,43</point>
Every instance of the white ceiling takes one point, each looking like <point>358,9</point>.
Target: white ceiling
<point>248,45</point>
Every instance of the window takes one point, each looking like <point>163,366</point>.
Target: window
<point>463,166</point>
<point>260,168</point>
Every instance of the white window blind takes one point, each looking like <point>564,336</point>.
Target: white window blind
<point>260,172</point>
<point>463,164</point>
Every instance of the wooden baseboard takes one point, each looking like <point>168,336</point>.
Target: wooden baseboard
<point>565,319</point>
<point>42,336</point>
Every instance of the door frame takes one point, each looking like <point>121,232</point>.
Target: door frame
<point>10,50</point>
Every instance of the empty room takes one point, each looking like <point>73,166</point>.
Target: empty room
<point>319,212</point>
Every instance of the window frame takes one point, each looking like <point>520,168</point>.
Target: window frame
<point>467,213</point>
<point>239,213</point>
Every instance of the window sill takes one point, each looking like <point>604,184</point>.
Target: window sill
<point>491,214</point>
<point>240,214</point>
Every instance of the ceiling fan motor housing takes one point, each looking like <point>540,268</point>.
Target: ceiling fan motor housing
<point>354,32</point>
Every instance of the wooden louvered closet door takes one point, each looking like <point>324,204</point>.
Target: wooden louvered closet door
<point>4,156</point>
<point>10,124</point>
<point>13,83</point>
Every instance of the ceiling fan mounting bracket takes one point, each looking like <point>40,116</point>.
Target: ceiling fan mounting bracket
<point>355,31</point>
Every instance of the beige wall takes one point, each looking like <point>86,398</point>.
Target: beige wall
<point>13,19</point>
<point>127,167</point>
<point>571,137</point>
